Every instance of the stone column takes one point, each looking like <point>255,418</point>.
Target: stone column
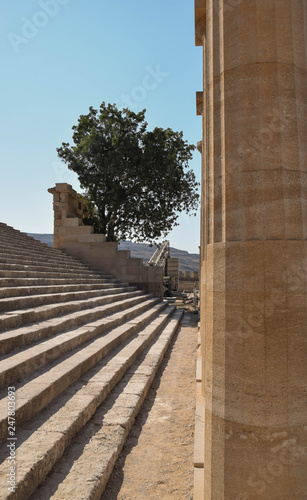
<point>254,234</point>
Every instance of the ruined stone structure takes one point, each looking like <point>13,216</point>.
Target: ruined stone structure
<point>188,280</point>
<point>189,275</point>
<point>79,241</point>
<point>251,435</point>
<point>172,270</point>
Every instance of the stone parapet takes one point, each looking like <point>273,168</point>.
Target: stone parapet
<point>79,241</point>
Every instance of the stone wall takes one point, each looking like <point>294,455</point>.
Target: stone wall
<point>172,270</point>
<point>188,280</point>
<point>189,275</point>
<point>78,240</point>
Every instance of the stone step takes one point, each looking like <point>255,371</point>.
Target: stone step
<point>44,440</point>
<point>19,365</point>
<point>25,249</point>
<point>9,292</point>
<point>104,435</point>
<point>68,335</point>
<point>18,235</point>
<point>34,258</point>
<point>23,260</point>
<point>45,384</point>
<point>49,381</point>
<point>17,262</point>
<point>14,234</point>
<point>7,269</point>
<point>24,336</point>
<point>24,252</point>
<point>23,317</point>
<point>45,274</point>
<point>30,261</point>
<point>41,260</point>
<point>19,238</point>
<point>39,250</point>
<point>11,304</point>
<point>16,282</point>
<point>44,265</point>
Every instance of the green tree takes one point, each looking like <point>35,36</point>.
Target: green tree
<point>136,181</point>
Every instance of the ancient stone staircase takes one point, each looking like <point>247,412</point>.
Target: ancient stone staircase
<point>79,349</point>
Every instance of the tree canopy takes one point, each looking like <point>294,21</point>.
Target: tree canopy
<point>136,181</point>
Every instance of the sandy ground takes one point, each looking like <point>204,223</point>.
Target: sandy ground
<point>157,459</point>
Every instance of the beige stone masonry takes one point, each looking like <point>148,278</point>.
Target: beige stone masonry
<point>253,248</point>
<point>79,241</point>
<point>172,270</point>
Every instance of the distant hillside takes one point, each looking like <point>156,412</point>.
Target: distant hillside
<point>187,261</point>
<point>44,238</point>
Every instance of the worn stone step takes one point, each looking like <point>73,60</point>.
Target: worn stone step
<point>11,232</point>
<point>105,434</point>
<point>27,250</point>
<point>68,334</point>
<point>39,261</point>
<point>16,235</point>
<point>40,250</point>
<point>46,274</point>
<point>24,336</point>
<point>11,304</point>
<point>18,238</point>
<point>48,382</point>
<point>7,251</point>
<point>28,246</point>
<point>13,235</point>
<point>8,270</point>
<point>21,317</point>
<point>42,290</point>
<point>60,271</point>
<point>15,282</point>
<point>30,257</point>
<point>19,365</point>
<point>42,265</point>
<point>23,256</point>
<point>14,262</point>
<point>44,440</point>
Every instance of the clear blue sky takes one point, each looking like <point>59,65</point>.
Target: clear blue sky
<point>58,57</point>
